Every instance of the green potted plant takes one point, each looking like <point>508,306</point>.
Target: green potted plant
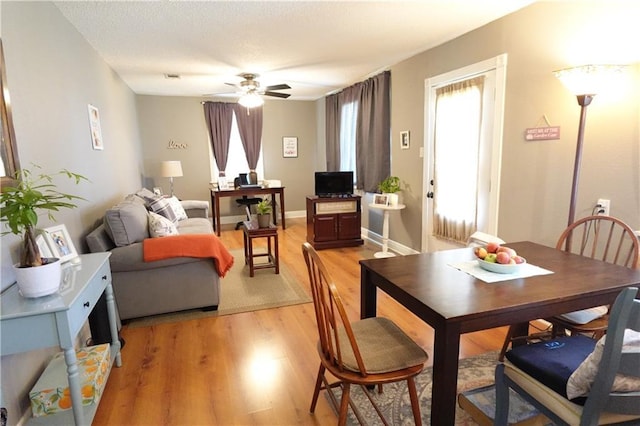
<point>391,186</point>
<point>21,203</point>
<point>263,210</point>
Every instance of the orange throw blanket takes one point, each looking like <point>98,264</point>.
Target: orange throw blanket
<point>189,245</point>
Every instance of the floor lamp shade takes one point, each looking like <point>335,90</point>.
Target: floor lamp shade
<point>585,82</point>
<point>171,169</point>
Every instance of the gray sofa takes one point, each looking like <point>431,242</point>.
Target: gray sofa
<point>150,288</point>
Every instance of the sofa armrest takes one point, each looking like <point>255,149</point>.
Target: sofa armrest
<point>99,240</point>
<point>196,208</point>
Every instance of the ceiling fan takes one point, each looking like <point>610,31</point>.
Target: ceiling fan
<point>250,89</point>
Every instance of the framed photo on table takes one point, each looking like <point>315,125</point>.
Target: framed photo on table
<point>59,242</point>
<point>381,199</point>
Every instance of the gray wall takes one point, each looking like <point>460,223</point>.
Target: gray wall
<point>53,74</point>
<point>536,176</point>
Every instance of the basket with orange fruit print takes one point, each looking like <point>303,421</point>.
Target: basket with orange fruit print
<point>51,393</point>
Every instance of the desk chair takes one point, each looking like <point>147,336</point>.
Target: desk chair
<point>540,373</point>
<point>245,202</point>
<point>598,237</point>
<point>369,352</point>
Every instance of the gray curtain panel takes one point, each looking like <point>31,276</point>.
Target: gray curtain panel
<point>373,127</point>
<point>218,116</point>
<point>250,128</point>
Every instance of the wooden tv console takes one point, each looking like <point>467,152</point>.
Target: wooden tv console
<point>334,222</point>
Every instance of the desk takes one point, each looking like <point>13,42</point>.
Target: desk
<point>385,227</point>
<point>453,302</point>
<point>56,320</point>
<point>216,194</point>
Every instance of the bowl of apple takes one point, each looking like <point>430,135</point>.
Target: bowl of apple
<point>499,259</point>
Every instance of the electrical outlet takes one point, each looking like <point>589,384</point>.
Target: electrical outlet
<point>603,207</point>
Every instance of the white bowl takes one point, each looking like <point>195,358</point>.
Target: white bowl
<point>500,268</point>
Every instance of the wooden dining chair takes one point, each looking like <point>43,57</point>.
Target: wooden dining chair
<point>574,380</point>
<point>599,237</point>
<point>368,352</point>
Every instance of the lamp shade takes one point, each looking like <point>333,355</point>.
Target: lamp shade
<point>588,79</point>
<point>251,100</point>
<point>171,169</point>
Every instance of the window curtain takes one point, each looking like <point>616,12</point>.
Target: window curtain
<point>457,129</point>
<point>250,129</point>
<point>218,116</point>
<point>371,146</point>
<point>373,133</point>
<point>332,126</point>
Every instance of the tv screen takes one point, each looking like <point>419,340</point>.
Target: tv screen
<point>331,184</point>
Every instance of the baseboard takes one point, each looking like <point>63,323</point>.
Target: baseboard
<point>394,246</point>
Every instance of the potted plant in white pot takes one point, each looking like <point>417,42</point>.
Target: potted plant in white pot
<point>19,208</point>
<point>391,186</point>
<point>263,210</point>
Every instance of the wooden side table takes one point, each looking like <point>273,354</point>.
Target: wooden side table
<point>252,231</point>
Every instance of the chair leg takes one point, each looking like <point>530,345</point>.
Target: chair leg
<point>502,397</point>
<point>505,345</point>
<point>344,404</point>
<point>415,403</point>
<point>316,391</point>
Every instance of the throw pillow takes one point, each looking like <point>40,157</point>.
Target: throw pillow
<point>161,206</point>
<point>160,226</point>
<point>126,223</point>
<point>581,380</point>
<point>177,208</point>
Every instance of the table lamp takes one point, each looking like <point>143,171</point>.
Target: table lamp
<point>171,169</point>
<point>585,82</point>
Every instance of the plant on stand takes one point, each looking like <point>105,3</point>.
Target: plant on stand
<point>263,210</point>
<point>391,186</point>
<point>33,194</point>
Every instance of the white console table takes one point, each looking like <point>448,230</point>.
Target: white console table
<point>55,320</point>
<point>385,227</point>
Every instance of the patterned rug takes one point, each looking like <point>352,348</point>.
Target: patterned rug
<point>473,373</point>
<point>242,293</point>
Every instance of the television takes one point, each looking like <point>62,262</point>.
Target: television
<point>334,184</point>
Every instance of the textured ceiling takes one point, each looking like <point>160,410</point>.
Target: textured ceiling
<point>314,46</point>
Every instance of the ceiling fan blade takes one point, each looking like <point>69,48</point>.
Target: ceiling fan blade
<point>277,95</point>
<point>278,87</point>
<point>233,85</point>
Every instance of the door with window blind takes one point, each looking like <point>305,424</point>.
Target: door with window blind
<point>463,131</point>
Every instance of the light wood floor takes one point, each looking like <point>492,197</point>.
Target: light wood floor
<point>255,368</point>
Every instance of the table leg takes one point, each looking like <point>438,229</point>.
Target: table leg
<point>216,214</point>
<point>111,310</point>
<point>273,203</point>
<point>445,375</point>
<point>282,208</point>
<point>277,254</point>
<point>368,295</point>
<point>74,384</point>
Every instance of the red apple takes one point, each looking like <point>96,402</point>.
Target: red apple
<point>518,259</point>
<point>503,257</point>
<point>492,247</point>
<point>481,252</point>
<point>511,252</point>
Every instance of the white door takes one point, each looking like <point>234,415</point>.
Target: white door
<point>488,151</point>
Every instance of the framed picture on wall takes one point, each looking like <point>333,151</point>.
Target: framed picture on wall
<point>96,131</point>
<point>290,147</point>
<point>404,140</point>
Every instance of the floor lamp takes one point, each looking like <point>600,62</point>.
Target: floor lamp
<point>171,169</point>
<point>585,82</point>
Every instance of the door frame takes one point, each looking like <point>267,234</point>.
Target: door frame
<point>499,65</point>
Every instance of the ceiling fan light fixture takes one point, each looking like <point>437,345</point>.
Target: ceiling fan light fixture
<point>251,100</point>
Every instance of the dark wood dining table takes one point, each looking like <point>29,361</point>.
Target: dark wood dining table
<point>454,302</point>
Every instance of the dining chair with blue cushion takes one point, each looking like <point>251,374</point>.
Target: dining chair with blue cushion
<point>574,380</point>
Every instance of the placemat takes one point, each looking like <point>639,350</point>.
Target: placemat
<point>472,268</point>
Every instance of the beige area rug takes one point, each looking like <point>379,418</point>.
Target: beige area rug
<point>473,373</point>
<point>241,293</point>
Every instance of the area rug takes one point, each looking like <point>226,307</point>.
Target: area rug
<point>242,293</point>
<point>474,372</point>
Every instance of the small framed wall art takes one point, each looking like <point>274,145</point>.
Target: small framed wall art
<point>290,147</point>
<point>94,125</point>
<point>59,242</point>
<point>404,140</point>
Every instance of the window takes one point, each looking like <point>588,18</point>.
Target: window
<point>348,120</point>
<point>237,160</point>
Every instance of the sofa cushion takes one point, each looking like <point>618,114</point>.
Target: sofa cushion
<point>126,223</point>
<point>177,208</point>
<point>160,226</point>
